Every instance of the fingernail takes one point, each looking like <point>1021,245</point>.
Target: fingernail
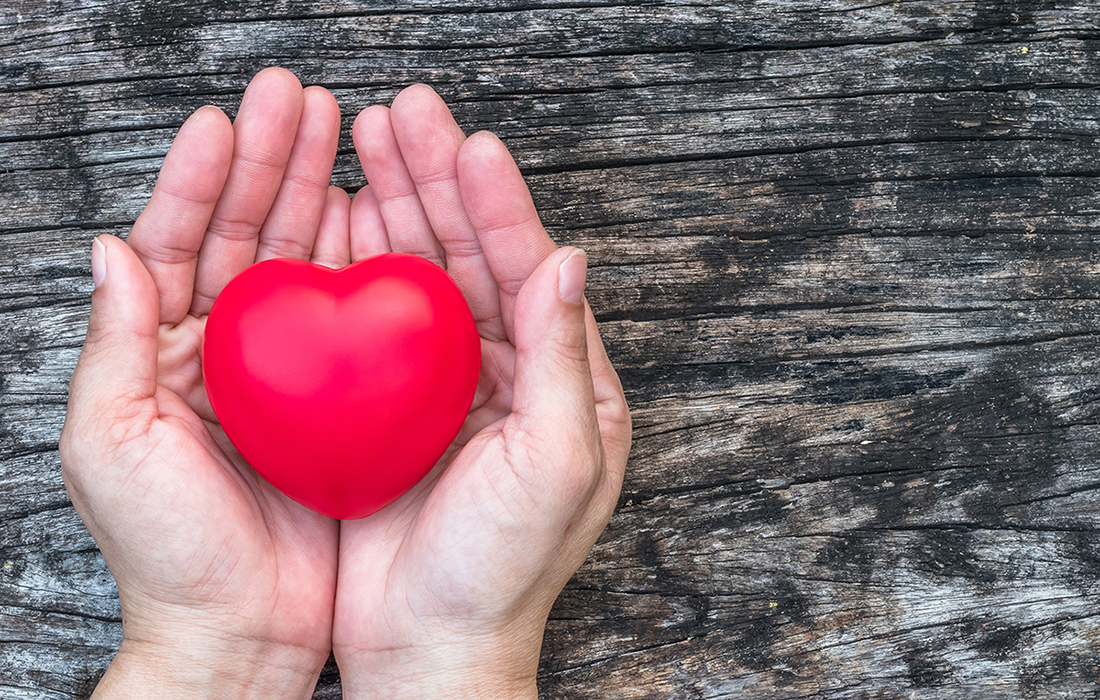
<point>99,262</point>
<point>571,273</point>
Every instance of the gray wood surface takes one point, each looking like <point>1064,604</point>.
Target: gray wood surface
<point>845,255</point>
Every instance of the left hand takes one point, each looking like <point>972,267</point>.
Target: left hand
<point>227,586</point>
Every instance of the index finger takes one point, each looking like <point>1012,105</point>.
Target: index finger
<point>168,234</point>
<point>502,214</point>
<point>263,137</point>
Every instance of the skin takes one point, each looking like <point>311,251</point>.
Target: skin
<point>229,588</point>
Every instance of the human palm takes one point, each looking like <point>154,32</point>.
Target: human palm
<point>198,543</point>
<point>470,560</point>
<point>430,589</point>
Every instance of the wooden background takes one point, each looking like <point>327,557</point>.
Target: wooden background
<point>845,256</point>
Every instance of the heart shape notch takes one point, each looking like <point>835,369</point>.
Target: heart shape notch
<point>342,387</point>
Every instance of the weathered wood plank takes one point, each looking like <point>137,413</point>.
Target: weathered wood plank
<point>74,39</point>
<point>843,253</point>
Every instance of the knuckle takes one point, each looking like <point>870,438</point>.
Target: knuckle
<point>282,245</point>
<point>569,468</point>
<point>618,412</point>
<point>458,247</point>
<point>572,349</point>
<point>233,229</point>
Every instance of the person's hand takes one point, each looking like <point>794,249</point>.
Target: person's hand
<point>227,586</point>
<point>445,592</point>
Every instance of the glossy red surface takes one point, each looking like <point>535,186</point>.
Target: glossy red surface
<point>342,388</point>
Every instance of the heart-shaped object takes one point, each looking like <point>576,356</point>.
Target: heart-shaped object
<point>342,387</point>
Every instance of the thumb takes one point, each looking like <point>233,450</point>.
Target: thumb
<point>118,364</point>
<point>553,391</point>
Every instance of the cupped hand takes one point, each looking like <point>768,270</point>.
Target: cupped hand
<point>223,581</point>
<point>445,593</point>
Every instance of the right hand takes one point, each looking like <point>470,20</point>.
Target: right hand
<point>445,592</point>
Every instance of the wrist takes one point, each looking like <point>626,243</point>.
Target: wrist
<point>481,668</point>
<point>212,668</point>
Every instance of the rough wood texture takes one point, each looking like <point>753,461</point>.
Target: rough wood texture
<point>844,255</point>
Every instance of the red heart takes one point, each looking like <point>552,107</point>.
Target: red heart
<point>342,388</point>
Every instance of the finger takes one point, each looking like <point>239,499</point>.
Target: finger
<point>612,411</point>
<point>291,224</point>
<point>263,137</point>
<point>118,364</point>
<point>429,140</point>
<point>167,235</point>
<point>504,217</point>
<point>368,229</point>
<point>393,187</point>
<point>553,391</point>
<point>332,247</point>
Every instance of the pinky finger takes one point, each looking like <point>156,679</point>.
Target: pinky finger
<point>332,247</point>
<point>368,230</point>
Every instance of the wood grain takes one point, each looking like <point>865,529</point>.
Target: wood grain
<point>843,253</point>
